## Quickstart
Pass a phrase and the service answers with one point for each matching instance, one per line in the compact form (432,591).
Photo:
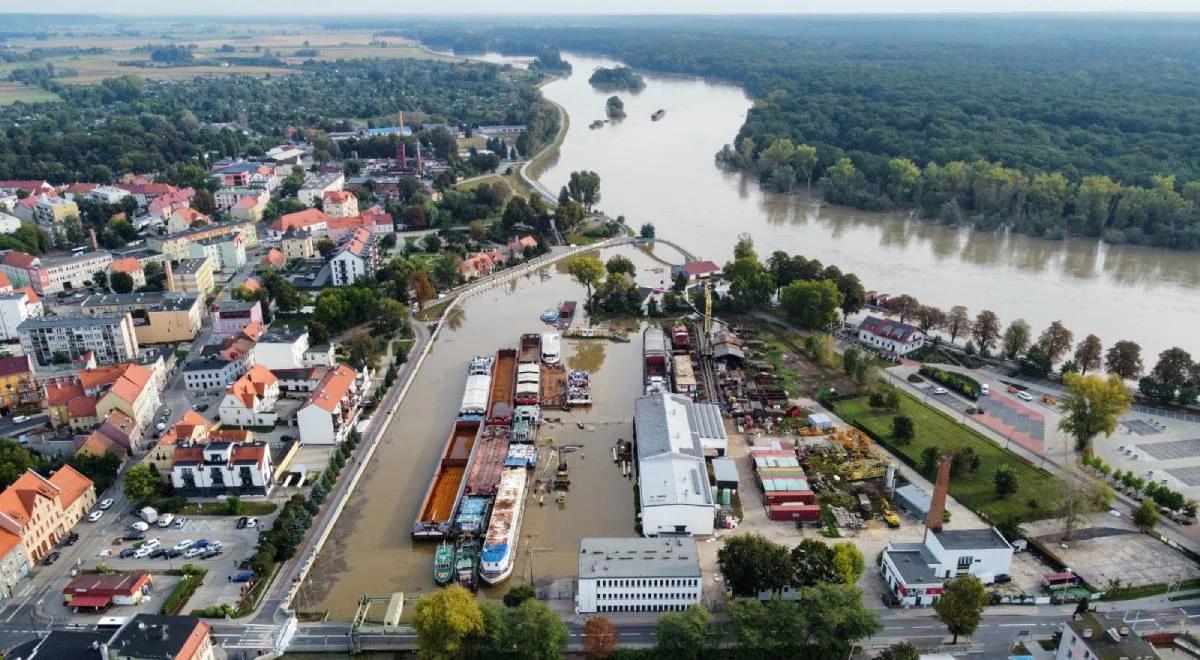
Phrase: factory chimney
(937,504)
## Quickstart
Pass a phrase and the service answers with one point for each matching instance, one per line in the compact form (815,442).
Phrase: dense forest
(1051,126)
(128,124)
(621,77)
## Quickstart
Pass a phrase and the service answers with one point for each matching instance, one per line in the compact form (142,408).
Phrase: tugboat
(466,558)
(550,316)
(658,114)
(443,564)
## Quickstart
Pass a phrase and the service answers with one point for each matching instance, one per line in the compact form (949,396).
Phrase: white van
(983,390)
(166,519)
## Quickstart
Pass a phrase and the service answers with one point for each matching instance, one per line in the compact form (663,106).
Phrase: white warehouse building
(673,486)
(637,575)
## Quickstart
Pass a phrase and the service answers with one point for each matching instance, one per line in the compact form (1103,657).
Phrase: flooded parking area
(371,551)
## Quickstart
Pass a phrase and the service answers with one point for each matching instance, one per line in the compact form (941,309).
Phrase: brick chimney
(170,275)
(95,243)
(937,504)
(400,155)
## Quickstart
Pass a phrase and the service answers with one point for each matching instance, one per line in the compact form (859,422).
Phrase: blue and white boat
(500,545)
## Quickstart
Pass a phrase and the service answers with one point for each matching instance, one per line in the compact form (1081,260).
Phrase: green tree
(647,231)
(587,270)
(390,316)
(985,330)
(1035,363)
(848,562)
(1145,516)
(141,483)
(620,264)
(1056,341)
(233,506)
(751,564)
(826,622)
(1124,359)
(122,282)
(100,279)
(812,564)
(1017,337)
(362,350)
(537,632)
(101,469)
(811,305)
(445,621)
(958,322)
(326,247)
(519,594)
(1089,353)
(930,457)
(961,605)
(1092,405)
(854,296)
(584,187)
(750,284)
(684,635)
(900,651)
(903,429)
(804,161)
(447,270)
(1006,481)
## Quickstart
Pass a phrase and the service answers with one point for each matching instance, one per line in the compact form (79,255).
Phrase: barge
(472,515)
(655,360)
(531,348)
(491,450)
(436,515)
(500,546)
(658,114)
(479,382)
(500,403)
(566,314)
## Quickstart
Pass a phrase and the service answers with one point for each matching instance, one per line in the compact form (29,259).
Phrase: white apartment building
(888,336)
(1095,636)
(15,308)
(332,408)
(315,187)
(222,468)
(251,399)
(112,338)
(357,257)
(108,194)
(9,223)
(637,575)
(212,373)
(282,348)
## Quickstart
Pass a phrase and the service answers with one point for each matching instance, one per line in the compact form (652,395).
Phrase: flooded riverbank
(370,550)
(663,172)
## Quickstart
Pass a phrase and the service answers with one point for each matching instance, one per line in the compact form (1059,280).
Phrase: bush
(183,591)
(964,385)
(914,378)
(216,612)
(903,428)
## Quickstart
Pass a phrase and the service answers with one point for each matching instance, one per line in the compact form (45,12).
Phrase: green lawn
(251,508)
(976,491)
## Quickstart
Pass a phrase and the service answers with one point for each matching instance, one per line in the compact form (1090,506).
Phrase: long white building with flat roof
(671,432)
(637,575)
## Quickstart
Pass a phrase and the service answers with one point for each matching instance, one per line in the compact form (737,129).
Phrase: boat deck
(554,386)
(437,510)
(489,461)
(445,491)
(500,403)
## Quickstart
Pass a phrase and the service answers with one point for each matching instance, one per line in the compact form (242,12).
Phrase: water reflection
(587,355)
(455,317)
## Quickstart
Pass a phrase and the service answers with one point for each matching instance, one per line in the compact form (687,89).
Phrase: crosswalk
(247,636)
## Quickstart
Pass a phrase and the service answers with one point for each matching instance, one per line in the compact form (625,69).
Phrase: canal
(370,551)
(663,172)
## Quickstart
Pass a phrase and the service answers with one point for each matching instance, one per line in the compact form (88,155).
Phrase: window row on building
(650,582)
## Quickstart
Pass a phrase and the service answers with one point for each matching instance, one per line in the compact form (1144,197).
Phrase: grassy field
(13,92)
(977,491)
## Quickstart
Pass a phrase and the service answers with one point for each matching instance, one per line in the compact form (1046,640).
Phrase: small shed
(914,500)
(820,421)
(725,472)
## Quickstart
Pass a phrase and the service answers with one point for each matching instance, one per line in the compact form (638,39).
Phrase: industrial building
(672,479)
(637,575)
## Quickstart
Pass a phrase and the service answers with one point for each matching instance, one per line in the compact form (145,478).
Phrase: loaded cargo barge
(500,403)
(490,453)
(435,518)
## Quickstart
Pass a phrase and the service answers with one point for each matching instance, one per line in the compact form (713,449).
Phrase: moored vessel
(500,544)
(443,564)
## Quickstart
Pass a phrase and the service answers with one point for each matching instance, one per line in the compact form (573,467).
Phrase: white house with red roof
(222,468)
(890,337)
(250,401)
(695,270)
(332,408)
(339,203)
(355,258)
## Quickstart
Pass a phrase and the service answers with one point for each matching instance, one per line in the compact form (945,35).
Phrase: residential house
(51,212)
(156,637)
(273,259)
(229,198)
(312,220)
(481,264)
(185,218)
(178,246)
(111,338)
(227,252)
(15,308)
(98,591)
(637,575)
(378,224)
(54,274)
(671,474)
(339,203)
(319,355)
(232,316)
(890,337)
(158,317)
(356,257)
(14,563)
(163,206)
(191,429)
(131,267)
(222,468)
(146,193)
(332,408)
(517,246)
(19,392)
(9,223)
(134,392)
(243,174)
(30,186)
(249,208)
(42,511)
(316,185)
(1102,636)
(251,399)
(58,398)
(695,270)
(302,380)
(298,244)
(107,194)
(211,373)
(282,348)
(122,430)
(194,276)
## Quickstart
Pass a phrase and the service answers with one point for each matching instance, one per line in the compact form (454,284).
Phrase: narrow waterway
(663,172)
(371,552)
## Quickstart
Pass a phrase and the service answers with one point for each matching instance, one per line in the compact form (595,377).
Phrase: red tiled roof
(60,395)
(252,385)
(18,259)
(70,483)
(190,453)
(11,366)
(333,387)
(337,196)
(5,283)
(246,203)
(31,294)
(80,188)
(242,452)
(97,444)
(299,220)
(81,406)
(126,265)
(133,380)
(274,258)
(700,267)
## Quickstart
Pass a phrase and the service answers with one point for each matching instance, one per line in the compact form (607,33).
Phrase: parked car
(1012,389)
(184,544)
(95,516)
(180,521)
(158,553)
(242,576)
(133,536)
(202,543)
(194,552)
(983,389)
(251,523)
(20,419)
(152,543)
(142,552)
(106,504)
(939,390)
(166,519)
(127,553)
(71,538)
(211,552)
(173,554)
(139,526)
(51,558)
(241,523)
(1003,578)
(201,407)
(1024,396)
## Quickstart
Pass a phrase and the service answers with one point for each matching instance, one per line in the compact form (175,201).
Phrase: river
(663,172)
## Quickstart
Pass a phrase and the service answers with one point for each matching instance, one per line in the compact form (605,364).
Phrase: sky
(460,7)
